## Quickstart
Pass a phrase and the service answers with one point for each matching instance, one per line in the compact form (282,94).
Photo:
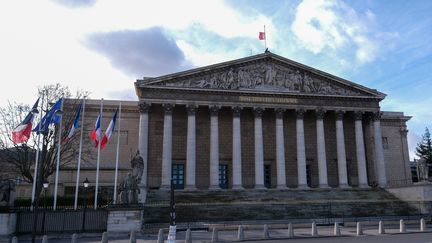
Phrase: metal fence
(62,221)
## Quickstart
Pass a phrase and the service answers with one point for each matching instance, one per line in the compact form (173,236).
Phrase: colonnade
(190,182)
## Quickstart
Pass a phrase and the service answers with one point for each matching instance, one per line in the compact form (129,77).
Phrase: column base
(282,187)
(303,187)
(260,187)
(190,188)
(344,186)
(324,186)
(363,186)
(214,188)
(165,187)
(237,187)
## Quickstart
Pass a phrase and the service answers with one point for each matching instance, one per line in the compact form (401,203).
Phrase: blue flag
(50,118)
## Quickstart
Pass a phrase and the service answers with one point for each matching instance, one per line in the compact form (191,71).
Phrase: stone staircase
(249,205)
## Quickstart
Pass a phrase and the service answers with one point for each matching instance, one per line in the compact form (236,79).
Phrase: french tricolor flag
(22,132)
(109,130)
(97,132)
(74,125)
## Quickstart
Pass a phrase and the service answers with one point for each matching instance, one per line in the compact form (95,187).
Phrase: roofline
(193,71)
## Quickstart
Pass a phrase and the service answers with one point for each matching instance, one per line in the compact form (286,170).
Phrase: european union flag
(50,118)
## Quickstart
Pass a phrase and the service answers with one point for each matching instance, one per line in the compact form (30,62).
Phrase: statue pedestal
(7,223)
(124,219)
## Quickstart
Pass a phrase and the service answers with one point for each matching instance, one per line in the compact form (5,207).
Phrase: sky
(103,46)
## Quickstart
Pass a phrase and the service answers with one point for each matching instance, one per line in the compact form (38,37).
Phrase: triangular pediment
(265,72)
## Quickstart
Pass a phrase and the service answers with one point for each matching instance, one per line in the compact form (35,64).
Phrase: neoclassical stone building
(267,121)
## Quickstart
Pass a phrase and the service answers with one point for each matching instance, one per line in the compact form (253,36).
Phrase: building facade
(266,121)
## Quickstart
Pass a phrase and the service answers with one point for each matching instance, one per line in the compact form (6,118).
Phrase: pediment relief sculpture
(265,76)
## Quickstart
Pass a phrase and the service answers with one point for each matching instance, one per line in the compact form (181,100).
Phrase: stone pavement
(302,234)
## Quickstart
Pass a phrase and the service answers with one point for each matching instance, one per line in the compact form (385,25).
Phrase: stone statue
(422,169)
(137,165)
(128,189)
(7,189)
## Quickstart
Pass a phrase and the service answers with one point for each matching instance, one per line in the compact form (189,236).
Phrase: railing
(62,221)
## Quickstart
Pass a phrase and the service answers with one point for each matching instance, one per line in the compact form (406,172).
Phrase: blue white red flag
(96,134)
(22,132)
(109,130)
(75,125)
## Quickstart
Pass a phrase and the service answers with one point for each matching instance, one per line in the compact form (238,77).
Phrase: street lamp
(86,184)
(45,187)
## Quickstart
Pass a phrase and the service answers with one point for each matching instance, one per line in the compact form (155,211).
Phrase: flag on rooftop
(22,132)
(261,35)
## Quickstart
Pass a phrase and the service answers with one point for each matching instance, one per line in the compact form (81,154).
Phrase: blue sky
(103,46)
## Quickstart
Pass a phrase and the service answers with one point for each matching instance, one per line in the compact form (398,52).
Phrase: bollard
(45,239)
(74,238)
(104,237)
(215,237)
(359,229)
(422,224)
(14,239)
(188,238)
(314,229)
(336,230)
(132,238)
(160,238)
(402,228)
(381,229)
(290,231)
(266,234)
(240,234)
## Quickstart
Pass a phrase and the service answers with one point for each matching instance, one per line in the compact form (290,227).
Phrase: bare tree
(20,158)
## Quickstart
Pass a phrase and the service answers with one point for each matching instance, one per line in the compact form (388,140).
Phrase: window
(385,143)
(267,176)
(223,176)
(178,176)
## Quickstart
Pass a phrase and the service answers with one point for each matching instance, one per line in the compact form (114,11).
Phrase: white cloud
(327,25)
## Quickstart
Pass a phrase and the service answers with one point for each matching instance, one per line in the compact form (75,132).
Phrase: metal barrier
(62,221)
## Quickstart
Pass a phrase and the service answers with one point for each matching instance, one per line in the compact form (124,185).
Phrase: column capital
(279,113)
(320,114)
(143,107)
(191,109)
(300,113)
(404,131)
(236,111)
(339,114)
(358,115)
(258,112)
(168,108)
(214,110)
(376,116)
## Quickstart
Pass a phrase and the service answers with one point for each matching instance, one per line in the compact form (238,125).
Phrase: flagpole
(37,155)
(79,156)
(60,113)
(117,155)
(98,157)
(265,39)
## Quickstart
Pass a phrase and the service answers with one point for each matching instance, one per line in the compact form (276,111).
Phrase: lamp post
(86,184)
(45,187)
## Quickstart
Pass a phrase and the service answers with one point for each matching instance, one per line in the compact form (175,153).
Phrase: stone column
(214,148)
(360,150)
(280,150)
(340,146)
(405,155)
(301,153)
(259,150)
(143,139)
(167,147)
(379,153)
(191,149)
(237,160)
(321,150)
